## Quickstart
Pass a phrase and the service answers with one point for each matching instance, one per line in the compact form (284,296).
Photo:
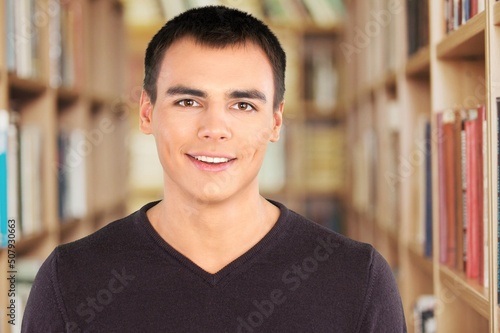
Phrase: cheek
(171,131)
(169,140)
(256,142)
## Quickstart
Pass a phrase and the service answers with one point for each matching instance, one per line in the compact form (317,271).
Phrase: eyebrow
(250,94)
(182,90)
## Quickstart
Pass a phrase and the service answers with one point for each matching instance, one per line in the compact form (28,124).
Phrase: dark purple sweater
(300,277)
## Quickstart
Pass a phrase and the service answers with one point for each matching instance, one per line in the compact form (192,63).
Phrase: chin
(212,199)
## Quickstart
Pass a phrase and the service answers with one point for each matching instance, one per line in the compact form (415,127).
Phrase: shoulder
(304,235)
(332,265)
(102,241)
(335,258)
(115,234)
(108,245)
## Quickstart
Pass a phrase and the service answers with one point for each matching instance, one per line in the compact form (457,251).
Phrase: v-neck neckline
(214,279)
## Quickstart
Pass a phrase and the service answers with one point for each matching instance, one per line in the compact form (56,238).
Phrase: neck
(213,234)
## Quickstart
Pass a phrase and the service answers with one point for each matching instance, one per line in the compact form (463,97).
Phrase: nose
(214,126)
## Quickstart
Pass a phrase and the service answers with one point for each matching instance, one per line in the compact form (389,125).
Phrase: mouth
(212,160)
(211,163)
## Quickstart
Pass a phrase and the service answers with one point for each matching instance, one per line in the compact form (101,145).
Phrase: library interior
(389,136)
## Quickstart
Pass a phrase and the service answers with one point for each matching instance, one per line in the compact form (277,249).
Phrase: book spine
(55,47)
(474,196)
(481,5)
(428,191)
(465,10)
(473,8)
(456,14)
(458,188)
(480,129)
(31,192)
(485,248)
(10,40)
(4,128)
(464,190)
(412,26)
(449,172)
(13,183)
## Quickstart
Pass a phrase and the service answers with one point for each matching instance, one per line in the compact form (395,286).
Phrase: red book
(449,173)
(474,194)
(481,118)
(473,8)
(460,116)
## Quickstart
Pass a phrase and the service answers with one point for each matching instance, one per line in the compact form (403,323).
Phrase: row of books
(71,167)
(324,161)
(20,174)
(321,73)
(463,185)
(324,158)
(21,180)
(25,21)
(418,25)
(66,43)
(458,12)
(23,32)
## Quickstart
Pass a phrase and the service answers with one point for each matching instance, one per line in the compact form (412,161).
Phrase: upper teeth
(212,159)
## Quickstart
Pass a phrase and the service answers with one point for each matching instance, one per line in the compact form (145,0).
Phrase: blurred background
(389,137)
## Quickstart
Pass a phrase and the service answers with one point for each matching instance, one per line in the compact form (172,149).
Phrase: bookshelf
(62,70)
(452,69)
(314,126)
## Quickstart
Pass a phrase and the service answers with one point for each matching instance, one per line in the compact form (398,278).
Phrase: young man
(213,255)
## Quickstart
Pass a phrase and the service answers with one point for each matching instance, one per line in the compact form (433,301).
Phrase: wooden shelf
(27,243)
(390,81)
(69,226)
(496,13)
(67,96)
(418,259)
(467,41)
(468,291)
(304,193)
(419,64)
(22,88)
(313,113)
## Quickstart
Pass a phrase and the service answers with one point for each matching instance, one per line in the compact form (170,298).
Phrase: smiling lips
(211,163)
(208,159)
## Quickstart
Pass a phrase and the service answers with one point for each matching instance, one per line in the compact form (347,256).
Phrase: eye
(242,106)
(188,103)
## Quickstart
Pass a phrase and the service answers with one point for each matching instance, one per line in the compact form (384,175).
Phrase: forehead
(187,55)
(191,62)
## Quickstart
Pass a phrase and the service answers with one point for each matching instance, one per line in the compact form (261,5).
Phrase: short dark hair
(218,27)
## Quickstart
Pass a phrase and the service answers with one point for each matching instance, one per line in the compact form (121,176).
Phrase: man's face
(212,119)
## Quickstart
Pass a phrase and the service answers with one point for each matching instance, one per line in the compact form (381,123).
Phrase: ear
(146,114)
(278,121)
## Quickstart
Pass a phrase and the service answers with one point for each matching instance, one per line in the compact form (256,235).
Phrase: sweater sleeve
(43,311)
(382,311)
